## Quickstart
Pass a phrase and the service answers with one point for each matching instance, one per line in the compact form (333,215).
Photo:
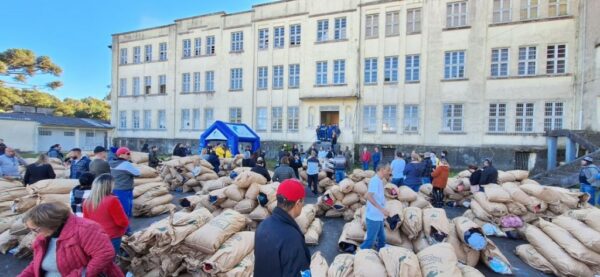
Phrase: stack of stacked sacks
(139,157)
(192,242)
(568,245)
(310,226)
(187,173)
(416,229)
(151,195)
(227,165)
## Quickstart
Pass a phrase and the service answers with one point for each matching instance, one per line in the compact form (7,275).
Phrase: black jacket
(180,152)
(36,173)
(153,160)
(475,176)
(279,247)
(427,167)
(262,171)
(214,161)
(248,163)
(489,175)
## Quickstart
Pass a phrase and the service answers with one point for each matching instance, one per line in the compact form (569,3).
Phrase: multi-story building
(479,78)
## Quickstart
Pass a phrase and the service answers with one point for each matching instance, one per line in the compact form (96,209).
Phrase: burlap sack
(570,244)
(138,157)
(23,250)
(516,208)
(420,243)
(406,243)
(367,264)
(342,266)
(49,198)
(348,214)
(586,235)
(259,213)
(452,195)
(325,182)
(246,206)
(157,210)
(392,237)
(480,212)
(558,208)
(399,262)
(7,241)
(146,203)
(252,191)
(247,178)
(390,191)
(228,204)
(350,199)
(591,217)
(182,224)
(146,171)
(435,220)
(311,237)
(243,269)
(420,203)
(413,222)
(4,184)
(11,194)
(211,185)
(209,177)
(533,258)
(493,253)
(230,253)
(496,193)
(360,188)
(492,208)
(464,225)
(469,271)
(567,197)
(405,194)
(355,231)
(318,265)
(151,192)
(143,188)
(464,254)
(564,263)
(18,227)
(464,174)
(438,260)
(334,213)
(209,237)
(53,186)
(306,217)
(346,185)
(270,191)
(504,177)
(395,208)
(519,175)
(234,192)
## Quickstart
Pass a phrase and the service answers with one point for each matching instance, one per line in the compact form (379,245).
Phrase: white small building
(29,129)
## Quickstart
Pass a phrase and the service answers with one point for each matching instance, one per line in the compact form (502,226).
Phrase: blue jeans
(375,164)
(365,165)
(340,174)
(591,190)
(126,199)
(116,243)
(397,181)
(375,230)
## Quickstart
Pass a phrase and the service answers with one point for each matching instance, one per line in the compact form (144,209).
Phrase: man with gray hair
(9,165)
(588,178)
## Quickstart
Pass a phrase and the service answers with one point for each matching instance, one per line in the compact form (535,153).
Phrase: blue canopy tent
(232,133)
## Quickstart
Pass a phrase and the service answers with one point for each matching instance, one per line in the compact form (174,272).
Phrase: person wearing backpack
(588,178)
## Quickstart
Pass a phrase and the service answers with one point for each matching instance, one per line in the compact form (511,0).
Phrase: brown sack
(234,192)
(306,217)
(208,177)
(183,224)
(566,265)
(141,181)
(350,199)
(252,191)
(586,235)
(247,178)
(519,175)
(314,232)
(7,241)
(355,231)
(230,253)
(246,206)
(143,188)
(492,252)
(413,222)
(146,171)
(399,262)
(360,188)
(208,186)
(406,243)
(344,242)
(342,266)
(533,258)
(61,198)
(139,157)
(392,237)
(420,203)
(390,191)
(243,269)
(516,208)
(346,185)
(492,208)
(11,194)
(53,186)
(469,271)
(435,220)
(420,243)
(496,193)
(426,189)
(570,244)
(405,194)
(318,265)
(395,208)
(259,213)
(463,253)
(439,260)
(209,237)
(367,264)
(591,217)
(504,177)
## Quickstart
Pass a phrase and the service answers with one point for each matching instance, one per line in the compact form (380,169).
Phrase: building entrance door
(330,118)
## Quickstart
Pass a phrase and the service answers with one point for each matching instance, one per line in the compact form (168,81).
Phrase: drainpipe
(581,63)
(358,113)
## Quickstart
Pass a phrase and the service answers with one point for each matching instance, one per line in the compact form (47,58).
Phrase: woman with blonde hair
(413,172)
(40,170)
(105,209)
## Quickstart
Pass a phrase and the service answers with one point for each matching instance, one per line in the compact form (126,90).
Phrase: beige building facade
(442,73)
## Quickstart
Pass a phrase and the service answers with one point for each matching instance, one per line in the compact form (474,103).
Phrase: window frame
(235,114)
(162,84)
(262,82)
(321,73)
(263,38)
(450,119)
(500,13)
(411,70)
(147,85)
(148,53)
(390,118)
(209,117)
(369,119)
(294,75)
(137,55)
(413,21)
(295,34)
(236,79)
(278,77)
(322,30)
(392,28)
(522,116)
(455,14)
(122,86)
(197,87)
(390,73)
(453,70)
(196,119)
(553,63)
(162,51)
(527,9)
(185,119)
(554,118)
(197,47)
(261,119)
(147,119)
(279,37)
(372,25)
(237,42)
(162,119)
(122,119)
(123,56)
(340,26)
(497,117)
(499,63)
(293,119)
(276,119)
(209,81)
(524,66)
(135,86)
(210,45)
(411,118)
(185,82)
(186,48)
(556,4)
(339,72)
(370,71)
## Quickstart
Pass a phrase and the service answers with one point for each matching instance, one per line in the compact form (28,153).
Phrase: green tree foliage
(20,64)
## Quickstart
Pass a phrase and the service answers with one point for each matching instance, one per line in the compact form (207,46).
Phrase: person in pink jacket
(67,245)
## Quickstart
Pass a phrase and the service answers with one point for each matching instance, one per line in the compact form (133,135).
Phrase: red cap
(291,189)
(122,150)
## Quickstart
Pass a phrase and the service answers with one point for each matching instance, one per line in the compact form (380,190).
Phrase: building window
(372,26)
(261,119)
(454,65)
(499,66)
(148,53)
(389,119)
(123,56)
(413,21)
(209,81)
(136,86)
(185,82)
(456,14)
(70,133)
(123,119)
(524,118)
(453,118)
(294,76)
(197,82)
(339,72)
(497,118)
(45,132)
(90,134)
(392,23)
(162,51)
(147,84)
(263,77)
(278,37)
(529,9)
(197,47)
(162,119)
(321,73)
(209,117)
(136,119)
(137,54)
(527,60)
(391,70)
(501,11)
(293,117)
(371,71)
(237,41)
(413,64)
(187,48)
(122,86)
(276,119)
(236,79)
(278,77)
(147,119)
(210,45)
(196,119)
(235,115)
(557,8)
(369,119)
(295,34)
(322,30)
(263,38)
(185,119)
(556,59)
(340,28)
(553,116)
(162,84)
(411,118)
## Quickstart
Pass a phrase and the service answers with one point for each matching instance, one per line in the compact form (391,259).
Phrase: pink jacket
(82,245)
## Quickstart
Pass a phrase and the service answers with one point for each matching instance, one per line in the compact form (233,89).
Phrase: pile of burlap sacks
(57,165)
(394,261)
(567,245)
(151,196)
(188,173)
(416,229)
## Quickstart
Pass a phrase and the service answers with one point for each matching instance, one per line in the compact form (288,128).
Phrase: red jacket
(440,176)
(81,245)
(366,156)
(110,215)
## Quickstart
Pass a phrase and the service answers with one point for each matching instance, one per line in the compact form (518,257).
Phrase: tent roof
(223,130)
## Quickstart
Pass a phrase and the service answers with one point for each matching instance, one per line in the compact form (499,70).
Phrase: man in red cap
(123,171)
(279,248)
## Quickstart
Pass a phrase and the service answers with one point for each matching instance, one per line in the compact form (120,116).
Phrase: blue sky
(76,33)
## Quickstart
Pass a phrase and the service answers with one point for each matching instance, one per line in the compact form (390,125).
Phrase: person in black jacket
(214,160)
(295,164)
(40,170)
(153,160)
(179,150)
(489,175)
(474,178)
(279,248)
(427,169)
(259,168)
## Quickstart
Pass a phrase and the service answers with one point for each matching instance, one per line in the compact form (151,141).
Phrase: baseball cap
(99,149)
(291,189)
(589,159)
(122,150)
